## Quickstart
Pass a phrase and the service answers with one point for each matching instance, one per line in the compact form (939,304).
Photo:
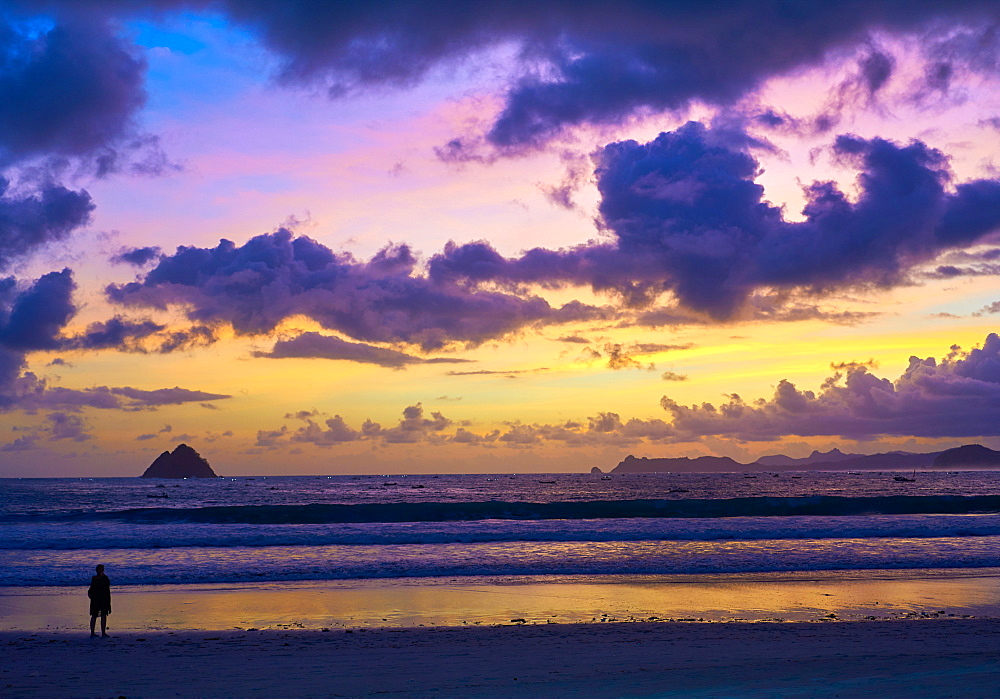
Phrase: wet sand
(916,633)
(939,657)
(858,595)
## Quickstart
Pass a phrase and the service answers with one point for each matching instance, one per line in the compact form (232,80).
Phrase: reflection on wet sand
(459,601)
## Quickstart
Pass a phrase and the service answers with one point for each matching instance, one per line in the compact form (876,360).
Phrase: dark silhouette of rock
(183,462)
(596,471)
(817,457)
(632,464)
(975,455)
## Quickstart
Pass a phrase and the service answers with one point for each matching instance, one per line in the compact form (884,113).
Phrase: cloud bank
(957,397)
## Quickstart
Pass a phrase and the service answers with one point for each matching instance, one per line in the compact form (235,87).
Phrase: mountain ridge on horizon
(968,455)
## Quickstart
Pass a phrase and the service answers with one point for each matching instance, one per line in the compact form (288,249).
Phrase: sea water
(385,528)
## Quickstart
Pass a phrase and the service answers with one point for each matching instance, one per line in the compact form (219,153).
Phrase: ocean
(385,528)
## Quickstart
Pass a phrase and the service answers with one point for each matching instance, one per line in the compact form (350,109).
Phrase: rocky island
(183,462)
(968,456)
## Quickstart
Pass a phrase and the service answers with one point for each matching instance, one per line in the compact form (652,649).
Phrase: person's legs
(93,621)
(104,624)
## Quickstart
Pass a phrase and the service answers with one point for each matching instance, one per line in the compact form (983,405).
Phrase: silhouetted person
(100,601)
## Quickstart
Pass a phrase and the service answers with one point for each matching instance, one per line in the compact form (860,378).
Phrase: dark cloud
(988,309)
(67,426)
(31,318)
(603,429)
(28,392)
(596,62)
(313,345)
(31,220)
(579,62)
(119,333)
(164,396)
(671,376)
(575,339)
(873,72)
(623,356)
(254,287)
(620,357)
(136,256)
(55,427)
(23,443)
(412,428)
(689,218)
(178,340)
(956,397)
(35,317)
(71,89)
(335,432)
(487,372)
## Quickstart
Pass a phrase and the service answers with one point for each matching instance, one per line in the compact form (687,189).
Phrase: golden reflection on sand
(456,601)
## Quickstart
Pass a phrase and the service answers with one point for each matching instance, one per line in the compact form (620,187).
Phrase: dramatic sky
(430,236)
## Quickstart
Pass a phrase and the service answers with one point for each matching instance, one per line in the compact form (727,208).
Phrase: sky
(426,237)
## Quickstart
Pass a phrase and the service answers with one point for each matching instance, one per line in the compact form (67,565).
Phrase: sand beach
(462,638)
(955,657)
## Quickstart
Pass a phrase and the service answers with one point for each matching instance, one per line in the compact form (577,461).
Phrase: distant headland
(968,456)
(183,462)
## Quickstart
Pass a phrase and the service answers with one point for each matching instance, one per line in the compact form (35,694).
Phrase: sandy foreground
(923,657)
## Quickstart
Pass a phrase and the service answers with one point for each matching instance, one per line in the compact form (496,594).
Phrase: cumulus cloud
(29,220)
(72,88)
(689,219)
(414,427)
(117,332)
(138,257)
(312,345)
(32,318)
(254,287)
(66,426)
(55,427)
(956,397)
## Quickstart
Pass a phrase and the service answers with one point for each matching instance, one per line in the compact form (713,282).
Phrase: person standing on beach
(100,601)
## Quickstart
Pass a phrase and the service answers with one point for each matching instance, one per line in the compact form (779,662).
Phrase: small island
(183,462)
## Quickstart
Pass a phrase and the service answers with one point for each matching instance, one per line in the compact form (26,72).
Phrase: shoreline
(954,657)
(537,600)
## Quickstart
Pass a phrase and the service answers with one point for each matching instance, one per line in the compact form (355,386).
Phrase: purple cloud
(31,221)
(689,218)
(271,277)
(119,333)
(313,345)
(30,393)
(34,318)
(412,428)
(71,90)
(67,426)
(589,63)
(138,257)
(603,62)
(958,397)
